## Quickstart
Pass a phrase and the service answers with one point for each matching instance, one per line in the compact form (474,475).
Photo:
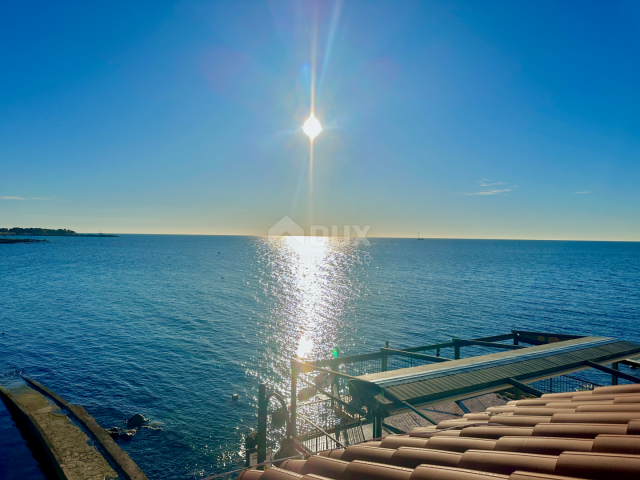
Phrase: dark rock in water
(114,432)
(136,421)
(127,434)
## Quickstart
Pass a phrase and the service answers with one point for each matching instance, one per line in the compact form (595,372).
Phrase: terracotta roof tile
(618,407)
(367,453)
(545,411)
(460,444)
(578,430)
(495,431)
(358,470)
(435,433)
(576,435)
(506,463)
(520,475)
(412,457)
(276,473)
(394,441)
(520,420)
(598,397)
(293,465)
(459,422)
(627,399)
(629,444)
(432,472)
(600,417)
(554,396)
(633,427)
(635,388)
(327,467)
(336,453)
(599,466)
(311,476)
(503,408)
(533,402)
(543,445)
(576,404)
(476,416)
(250,475)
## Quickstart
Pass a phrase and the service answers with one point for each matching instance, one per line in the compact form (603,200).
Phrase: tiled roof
(581,435)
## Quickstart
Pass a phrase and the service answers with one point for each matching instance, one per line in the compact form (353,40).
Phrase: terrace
(338,402)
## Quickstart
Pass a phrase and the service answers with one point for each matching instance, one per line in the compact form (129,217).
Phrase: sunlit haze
(473,119)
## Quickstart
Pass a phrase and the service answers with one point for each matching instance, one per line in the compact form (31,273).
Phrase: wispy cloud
(490,192)
(9,197)
(489,183)
(484,183)
(582,193)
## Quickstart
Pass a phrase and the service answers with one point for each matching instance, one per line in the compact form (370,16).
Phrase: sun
(312,127)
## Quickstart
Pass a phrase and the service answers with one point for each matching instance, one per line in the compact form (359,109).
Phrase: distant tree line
(37,231)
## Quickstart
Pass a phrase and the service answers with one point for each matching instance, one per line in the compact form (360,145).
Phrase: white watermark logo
(286,226)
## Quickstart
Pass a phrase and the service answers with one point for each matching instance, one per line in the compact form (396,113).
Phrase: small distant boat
(419,236)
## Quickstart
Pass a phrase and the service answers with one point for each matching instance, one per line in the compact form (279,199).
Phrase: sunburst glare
(312,127)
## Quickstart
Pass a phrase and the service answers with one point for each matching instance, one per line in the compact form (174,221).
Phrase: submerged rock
(114,432)
(127,434)
(136,421)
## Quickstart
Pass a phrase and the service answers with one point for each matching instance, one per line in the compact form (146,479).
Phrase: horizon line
(368,236)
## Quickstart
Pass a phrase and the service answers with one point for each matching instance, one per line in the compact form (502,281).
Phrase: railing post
(515,339)
(294,394)
(385,356)
(335,384)
(262,423)
(614,378)
(456,350)
(377,425)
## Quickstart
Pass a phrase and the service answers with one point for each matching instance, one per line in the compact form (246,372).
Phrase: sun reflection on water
(310,287)
(305,346)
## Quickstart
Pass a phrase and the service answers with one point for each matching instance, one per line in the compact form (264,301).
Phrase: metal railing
(323,417)
(564,383)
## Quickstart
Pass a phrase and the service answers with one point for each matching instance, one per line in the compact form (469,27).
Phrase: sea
(172,326)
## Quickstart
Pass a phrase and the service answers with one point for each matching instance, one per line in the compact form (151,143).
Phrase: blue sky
(454,119)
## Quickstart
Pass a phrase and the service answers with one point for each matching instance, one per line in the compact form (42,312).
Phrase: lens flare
(312,127)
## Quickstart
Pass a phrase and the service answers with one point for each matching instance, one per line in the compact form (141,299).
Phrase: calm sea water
(171,326)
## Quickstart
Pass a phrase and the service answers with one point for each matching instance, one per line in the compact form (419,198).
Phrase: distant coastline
(50,232)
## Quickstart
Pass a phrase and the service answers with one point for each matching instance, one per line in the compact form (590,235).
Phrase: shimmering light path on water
(171,326)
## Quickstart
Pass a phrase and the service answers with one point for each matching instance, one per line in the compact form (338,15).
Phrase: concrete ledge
(128,467)
(34,431)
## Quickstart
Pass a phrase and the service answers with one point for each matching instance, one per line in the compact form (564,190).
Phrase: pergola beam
(611,371)
(419,356)
(631,362)
(524,387)
(480,343)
